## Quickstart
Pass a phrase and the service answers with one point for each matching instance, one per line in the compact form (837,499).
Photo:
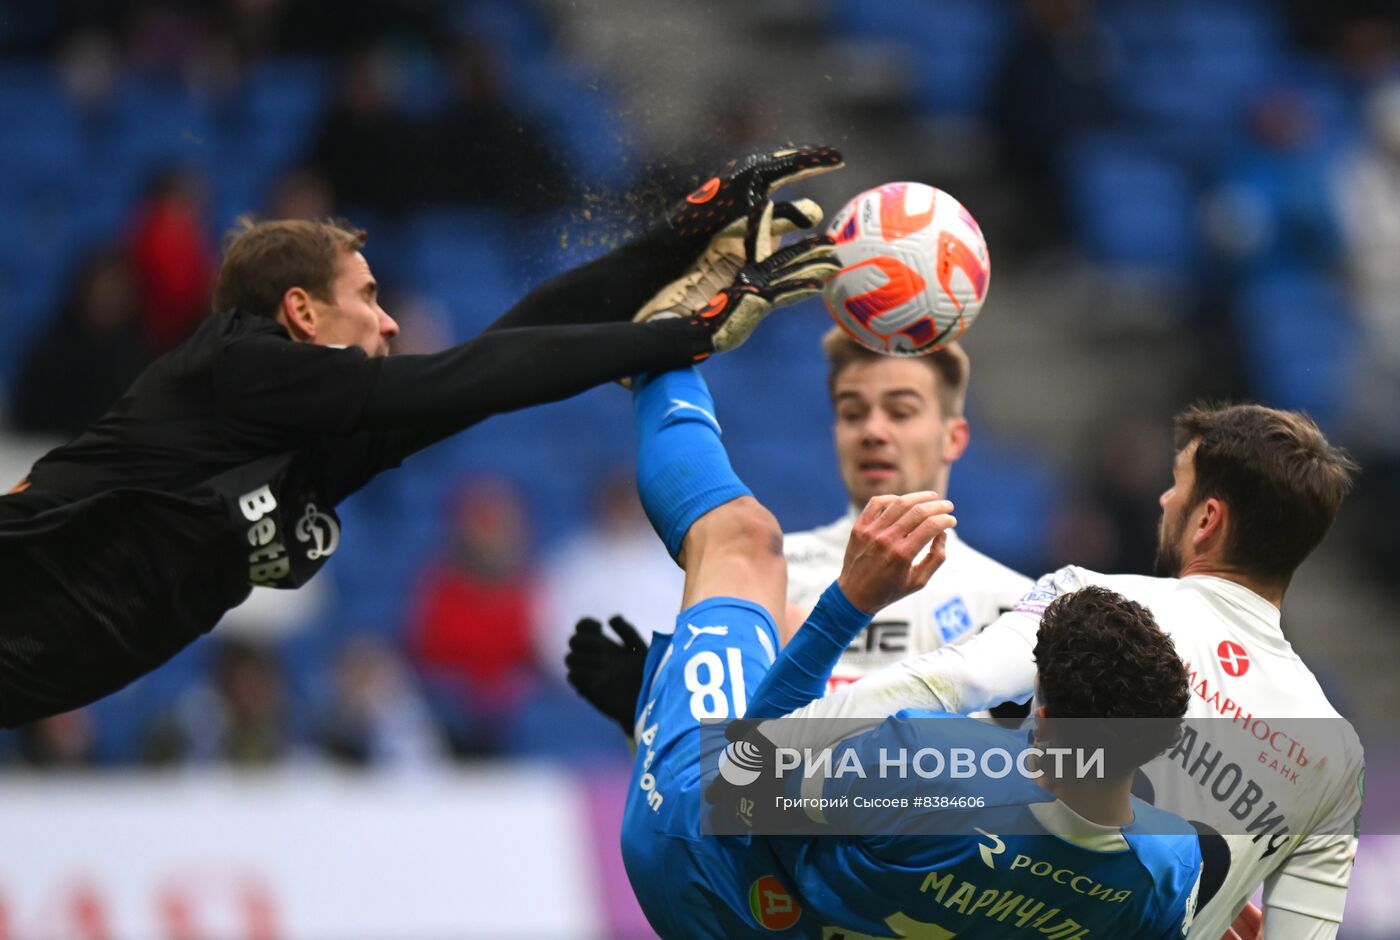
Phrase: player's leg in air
(725,639)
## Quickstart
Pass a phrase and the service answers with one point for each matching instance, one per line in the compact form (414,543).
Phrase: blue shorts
(690,884)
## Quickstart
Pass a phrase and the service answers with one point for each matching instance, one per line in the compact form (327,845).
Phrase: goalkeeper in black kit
(220,468)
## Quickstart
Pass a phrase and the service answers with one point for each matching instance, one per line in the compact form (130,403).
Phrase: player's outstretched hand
(742,188)
(890,534)
(607,674)
(784,277)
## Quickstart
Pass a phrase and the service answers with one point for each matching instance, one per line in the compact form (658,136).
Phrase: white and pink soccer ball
(914,269)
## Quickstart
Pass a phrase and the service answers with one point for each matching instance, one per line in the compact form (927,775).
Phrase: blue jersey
(1015,862)
(1034,869)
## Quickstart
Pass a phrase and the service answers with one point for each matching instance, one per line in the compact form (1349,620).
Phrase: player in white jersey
(1265,760)
(899,428)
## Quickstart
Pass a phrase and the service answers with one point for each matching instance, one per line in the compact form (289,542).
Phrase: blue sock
(682,469)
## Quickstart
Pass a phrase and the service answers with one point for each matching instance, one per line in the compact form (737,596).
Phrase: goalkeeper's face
(891,435)
(352,316)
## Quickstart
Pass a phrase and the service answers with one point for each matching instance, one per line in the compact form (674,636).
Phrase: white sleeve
(1308,892)
(1306,895)
(987,669)
(1286,925)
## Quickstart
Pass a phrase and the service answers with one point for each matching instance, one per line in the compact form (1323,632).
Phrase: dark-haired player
(721,662)
(221,466)
(1265,759)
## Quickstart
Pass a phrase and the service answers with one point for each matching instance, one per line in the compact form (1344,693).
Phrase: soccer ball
(914,269)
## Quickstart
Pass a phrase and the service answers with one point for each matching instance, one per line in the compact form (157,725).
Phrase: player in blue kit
(1055,856)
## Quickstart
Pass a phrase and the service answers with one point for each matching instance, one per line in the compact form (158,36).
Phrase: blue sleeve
(1177,915)
(800,673)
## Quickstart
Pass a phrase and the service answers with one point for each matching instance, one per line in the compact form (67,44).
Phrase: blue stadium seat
(956,47)
(959,54)
(123,720)
(1005,500)
(1298,337)
(1190,68)
(582,116)
(158,124)
(548,245)
(462,259)
(1132,208)
(288,89)
(279,107)
(515,28)
(554,723)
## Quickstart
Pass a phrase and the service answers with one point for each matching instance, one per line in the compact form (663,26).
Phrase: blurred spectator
(175,41)
(376,715)
(172,258)
(1083,533)
(301,194)
(1057,82)
(364,148)
(470,630)
(90,67)
(63,742)
(308,26)
(425,325)
(1368,194)
(1361,36)
(96,335)
(615,566)
(1272,208)
(1130,472)
(481,153)
(238,717)
(254,27)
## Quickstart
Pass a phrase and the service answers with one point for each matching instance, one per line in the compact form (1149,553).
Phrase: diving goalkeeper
(220,468)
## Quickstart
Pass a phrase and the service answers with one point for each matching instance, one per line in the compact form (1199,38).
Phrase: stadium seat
(1005,502)
(514,28)
(956,46)
(1299,341)
(1190,68)
(1133,209)
(278,107)
(555,724)
(158,124)
(582,116)
(462,259)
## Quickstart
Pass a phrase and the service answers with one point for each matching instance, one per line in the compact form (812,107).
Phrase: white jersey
(965,594)
(1264,758)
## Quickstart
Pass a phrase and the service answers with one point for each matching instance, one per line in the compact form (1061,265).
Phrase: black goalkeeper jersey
(221,467)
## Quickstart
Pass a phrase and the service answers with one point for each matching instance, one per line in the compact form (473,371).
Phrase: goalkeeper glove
(728,210)
(608,675)
(761,286)
(742,189)
(717,267)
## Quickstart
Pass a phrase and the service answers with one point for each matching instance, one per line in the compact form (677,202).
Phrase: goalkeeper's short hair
(263,260)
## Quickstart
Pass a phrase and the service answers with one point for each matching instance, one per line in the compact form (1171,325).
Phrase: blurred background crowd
(1183,199)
